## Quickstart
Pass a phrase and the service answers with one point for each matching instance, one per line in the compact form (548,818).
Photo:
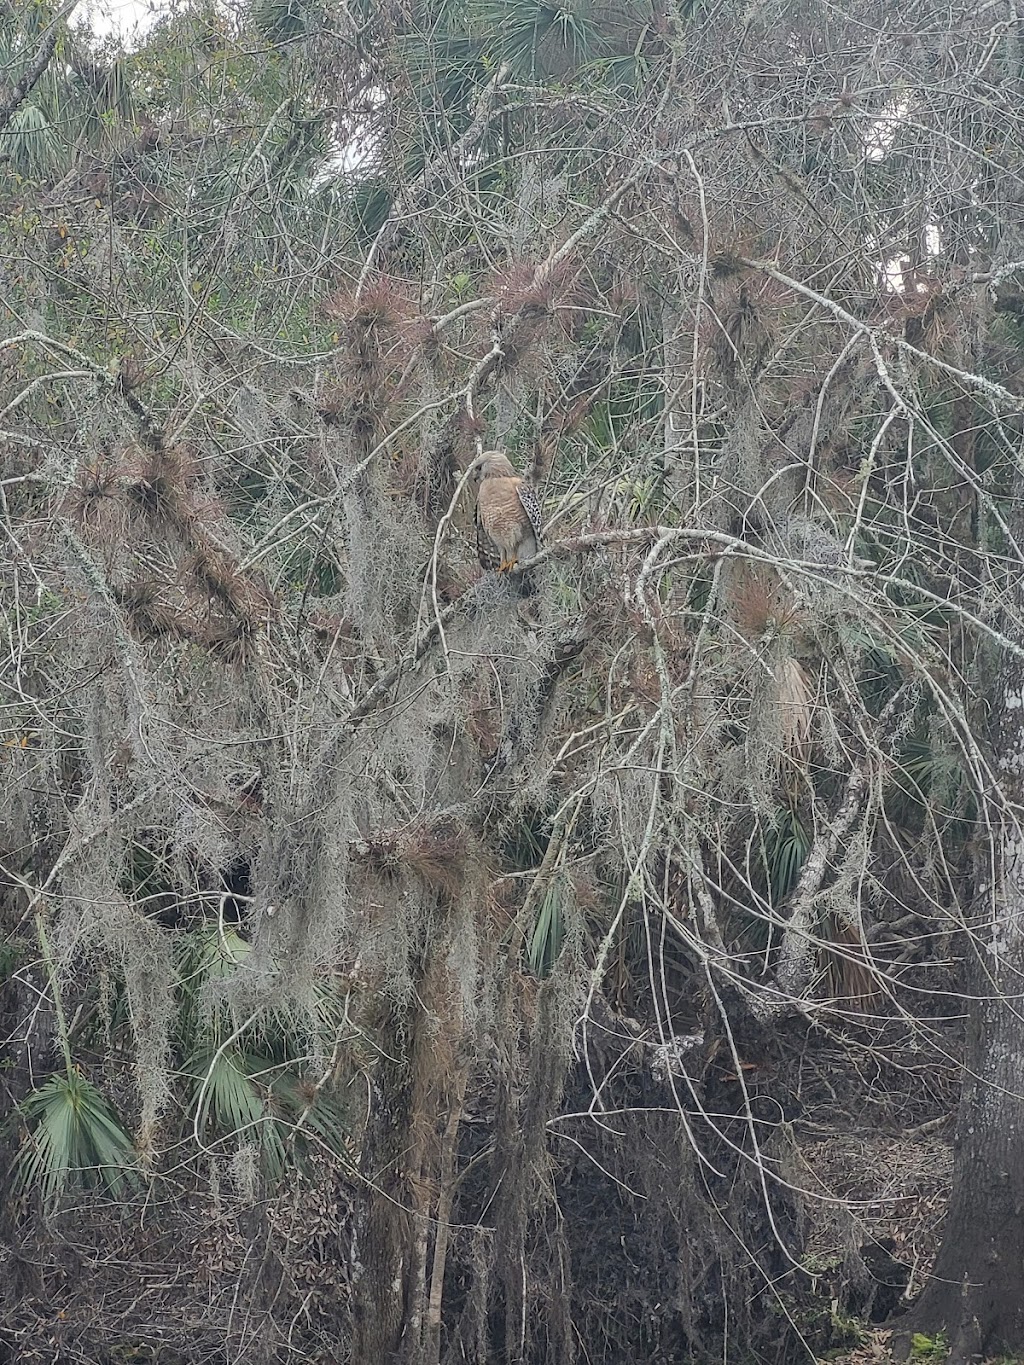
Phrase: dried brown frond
(852,982)
(796,712)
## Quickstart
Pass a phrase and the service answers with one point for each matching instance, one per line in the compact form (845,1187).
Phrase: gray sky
(120,17)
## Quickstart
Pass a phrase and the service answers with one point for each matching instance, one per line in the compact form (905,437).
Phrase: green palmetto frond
(28,146)
(213,957)
(245,1081)
(786,847)
(929,775)
(240,1097)
(538,38)
(282,21)
(74,1138)
(548,931)
(228,1104)
(923,771)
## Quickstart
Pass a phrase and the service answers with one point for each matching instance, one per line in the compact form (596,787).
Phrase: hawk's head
(495,465)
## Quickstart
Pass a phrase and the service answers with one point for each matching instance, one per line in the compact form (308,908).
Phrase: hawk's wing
(487,549)
(532,508)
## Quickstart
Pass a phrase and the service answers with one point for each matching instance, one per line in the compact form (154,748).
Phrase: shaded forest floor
(872,1134)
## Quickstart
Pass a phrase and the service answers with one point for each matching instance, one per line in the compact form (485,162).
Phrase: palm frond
(786,847)
(74,1137)
(244,1097)
(282,21)
(539,38)
(229,1105)
(29,145)
(548,931)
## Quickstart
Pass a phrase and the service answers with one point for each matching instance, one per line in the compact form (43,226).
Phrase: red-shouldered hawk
(508,515)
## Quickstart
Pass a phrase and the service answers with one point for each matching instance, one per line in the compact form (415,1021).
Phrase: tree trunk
(977,1291)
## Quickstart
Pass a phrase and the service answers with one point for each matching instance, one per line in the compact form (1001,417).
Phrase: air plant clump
(530,290)
(131,373)
(372,318)
(220,575)
(381,853)
(148,611)
(739,333)
(435,851)
(759,602)
(98,484)
(374,349)
(160,482)
(231,640)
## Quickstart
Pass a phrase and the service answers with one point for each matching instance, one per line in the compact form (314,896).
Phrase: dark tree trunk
(977,1291)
